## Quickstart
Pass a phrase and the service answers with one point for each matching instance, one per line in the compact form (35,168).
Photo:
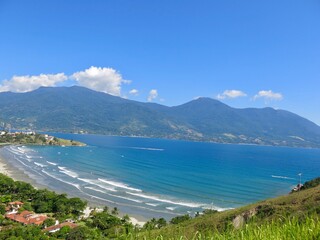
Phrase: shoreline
(19,175)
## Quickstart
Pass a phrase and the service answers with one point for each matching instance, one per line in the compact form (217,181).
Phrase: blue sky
(245,53)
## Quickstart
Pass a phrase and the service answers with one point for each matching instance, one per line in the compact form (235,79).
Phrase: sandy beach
(4,169)
(15,173)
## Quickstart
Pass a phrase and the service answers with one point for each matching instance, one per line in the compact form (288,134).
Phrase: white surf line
(52,163)
(119,185)
(95,189)
(149,149)
(93,182)
(69,183)
(185,204)
(112,195)
(39,164)
(27,166)
(282,177)
(68,172)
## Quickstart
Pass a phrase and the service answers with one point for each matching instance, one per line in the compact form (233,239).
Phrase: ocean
(148,177)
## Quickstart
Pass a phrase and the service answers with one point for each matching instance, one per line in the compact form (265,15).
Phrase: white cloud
(134,92)
(268,95)
(28,83)
(231,94)
(106,80)
(153,94)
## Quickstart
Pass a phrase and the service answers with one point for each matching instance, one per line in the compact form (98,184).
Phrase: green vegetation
(310,184)
(80,110)
(294,216)
(283,229)
(40,201)
(290,213)
(35,139)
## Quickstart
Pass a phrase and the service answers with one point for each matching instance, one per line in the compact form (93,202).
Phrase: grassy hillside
(294,216)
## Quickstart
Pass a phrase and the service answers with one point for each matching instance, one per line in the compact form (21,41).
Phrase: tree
(2,209)
(115,211)
(125,218)
(62,233)
(6,198)
(180,219)
(104,221)
(82,233)
(77,206)
(26,206)
(79,233)
(150,225)
(49,222)
(105,209)
(161,223)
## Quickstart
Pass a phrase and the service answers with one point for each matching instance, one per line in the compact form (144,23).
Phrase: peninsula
(33,138)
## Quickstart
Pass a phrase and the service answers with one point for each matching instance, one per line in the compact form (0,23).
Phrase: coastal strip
(17,174)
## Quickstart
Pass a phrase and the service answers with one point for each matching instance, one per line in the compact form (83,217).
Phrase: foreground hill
(77,109)
(294,216)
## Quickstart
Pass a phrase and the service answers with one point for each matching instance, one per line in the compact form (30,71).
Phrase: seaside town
(28,217)
(33,138)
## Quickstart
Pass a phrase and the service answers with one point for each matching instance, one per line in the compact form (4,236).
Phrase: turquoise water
(155,177)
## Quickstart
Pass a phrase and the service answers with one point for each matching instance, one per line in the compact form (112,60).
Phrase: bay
(165,178)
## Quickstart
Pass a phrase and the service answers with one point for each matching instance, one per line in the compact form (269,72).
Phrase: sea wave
(153,204)
(20,149)
(119,185)
(126,198)
(96,183)
(68,172)
(15,151)
(282,177)
(95,189)
(52,163)
(61,180)
(149,149)
(39,164)
(171,208)
(21,162)
(186,204)
(103,199)
(112,195)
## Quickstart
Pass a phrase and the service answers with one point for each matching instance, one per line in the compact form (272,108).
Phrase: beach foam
(282,177)
(68,172)
(126,198)
(153,204)
(119,185)
(39,164)
(96,183)
(148,149)
(52,163)
(61,180)
(171,208)
(95,189)
(186,204)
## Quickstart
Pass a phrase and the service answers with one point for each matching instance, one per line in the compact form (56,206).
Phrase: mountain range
(81,110)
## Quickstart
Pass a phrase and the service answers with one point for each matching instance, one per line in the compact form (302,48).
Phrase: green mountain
(77,109)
